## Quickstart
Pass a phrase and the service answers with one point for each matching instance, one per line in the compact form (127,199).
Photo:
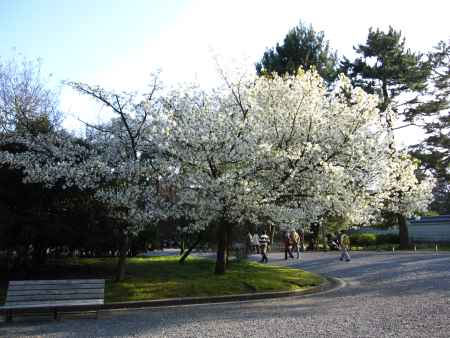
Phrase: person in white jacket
(263,244)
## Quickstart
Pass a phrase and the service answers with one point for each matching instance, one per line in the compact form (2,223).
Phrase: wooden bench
(53,295)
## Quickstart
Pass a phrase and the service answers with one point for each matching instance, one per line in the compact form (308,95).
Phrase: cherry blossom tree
(116,162)
(284,149)
(25,98)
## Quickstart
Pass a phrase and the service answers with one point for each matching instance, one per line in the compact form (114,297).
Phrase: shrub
(363,239)
(367,239)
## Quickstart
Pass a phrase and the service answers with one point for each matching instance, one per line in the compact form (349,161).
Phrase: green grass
(163,277)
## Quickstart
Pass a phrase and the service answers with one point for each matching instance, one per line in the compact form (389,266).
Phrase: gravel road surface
(385,295)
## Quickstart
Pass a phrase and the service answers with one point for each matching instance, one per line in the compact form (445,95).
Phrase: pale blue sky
(118,43)
(74,37)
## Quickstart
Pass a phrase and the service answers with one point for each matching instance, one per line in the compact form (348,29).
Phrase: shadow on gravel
(152,322)
(383,276)
(394,275)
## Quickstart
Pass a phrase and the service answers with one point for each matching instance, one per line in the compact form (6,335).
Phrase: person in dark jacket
(287,245)
(263,244)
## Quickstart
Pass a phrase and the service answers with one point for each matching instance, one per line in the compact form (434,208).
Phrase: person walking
(344,243)
(295,239)
(287,245)
(263,244)
(301,234)
(249,246)
(255,243)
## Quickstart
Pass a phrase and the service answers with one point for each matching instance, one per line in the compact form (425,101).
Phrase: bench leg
(96,314)
(55,315)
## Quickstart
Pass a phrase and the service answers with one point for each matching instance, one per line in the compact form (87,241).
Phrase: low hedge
(363,239)
(368,238)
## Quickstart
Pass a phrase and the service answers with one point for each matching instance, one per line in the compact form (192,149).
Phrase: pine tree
(302,47)
(398,76)
(387,68)
(434,151)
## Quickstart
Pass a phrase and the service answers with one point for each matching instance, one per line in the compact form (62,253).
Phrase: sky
(118,43)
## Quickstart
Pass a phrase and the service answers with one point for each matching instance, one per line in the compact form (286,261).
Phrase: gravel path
(401,295)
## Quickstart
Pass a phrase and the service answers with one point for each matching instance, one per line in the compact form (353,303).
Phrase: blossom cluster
(283,150)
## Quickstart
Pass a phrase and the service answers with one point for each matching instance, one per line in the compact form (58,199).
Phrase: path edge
(330,284)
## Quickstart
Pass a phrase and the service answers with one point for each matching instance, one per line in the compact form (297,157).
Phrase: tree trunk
(385,102)
(229,242)
(403,232)
(315,236)
(324,237)
(187,252)
(182,247)
(271,236)
(221,249)
(39,256)
(120,274)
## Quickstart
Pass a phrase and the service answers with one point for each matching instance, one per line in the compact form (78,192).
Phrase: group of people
(293,242)
(259,244)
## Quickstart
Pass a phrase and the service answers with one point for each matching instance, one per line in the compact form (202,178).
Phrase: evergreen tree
(399,77)
(387,68)
(434,151)
(302,47)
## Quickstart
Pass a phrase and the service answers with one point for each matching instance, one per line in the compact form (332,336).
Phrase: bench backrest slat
(56,281)
(48,291)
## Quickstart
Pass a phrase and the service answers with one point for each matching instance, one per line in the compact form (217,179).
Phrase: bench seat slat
(53,304)
(55,301)
(54,292)
(56,281)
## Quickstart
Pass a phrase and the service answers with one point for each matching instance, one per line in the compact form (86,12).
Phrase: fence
(434,229)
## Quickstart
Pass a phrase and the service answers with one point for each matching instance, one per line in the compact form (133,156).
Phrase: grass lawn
(163,277)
